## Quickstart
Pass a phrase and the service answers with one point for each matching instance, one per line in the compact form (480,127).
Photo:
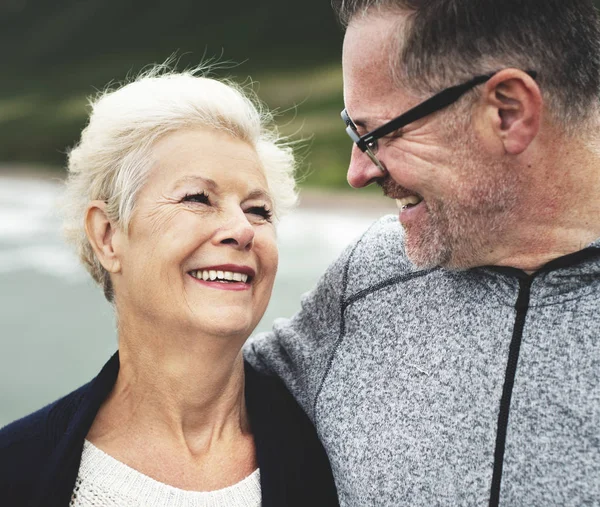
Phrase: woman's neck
(176,395)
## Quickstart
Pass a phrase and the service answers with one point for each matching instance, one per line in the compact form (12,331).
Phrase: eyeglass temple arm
(435,103)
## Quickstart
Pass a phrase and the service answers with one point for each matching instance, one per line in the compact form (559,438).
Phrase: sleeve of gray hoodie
(299,349)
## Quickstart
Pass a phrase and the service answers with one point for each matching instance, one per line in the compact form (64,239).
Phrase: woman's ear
(102,235)
(510,110)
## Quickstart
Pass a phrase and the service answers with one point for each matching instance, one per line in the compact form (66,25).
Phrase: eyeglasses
(368,143)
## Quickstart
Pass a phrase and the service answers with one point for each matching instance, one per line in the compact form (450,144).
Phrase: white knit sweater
(104,481)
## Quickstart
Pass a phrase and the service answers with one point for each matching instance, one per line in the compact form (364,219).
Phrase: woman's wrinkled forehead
(207,159)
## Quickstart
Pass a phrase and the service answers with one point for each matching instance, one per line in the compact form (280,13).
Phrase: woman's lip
(233,286)
(234,268)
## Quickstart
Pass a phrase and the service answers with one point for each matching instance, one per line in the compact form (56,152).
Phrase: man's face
(455,199)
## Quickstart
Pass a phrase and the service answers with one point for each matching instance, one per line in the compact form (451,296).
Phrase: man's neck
(560,212)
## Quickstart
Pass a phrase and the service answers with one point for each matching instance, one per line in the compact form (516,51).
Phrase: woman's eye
(261,211)
(201,198)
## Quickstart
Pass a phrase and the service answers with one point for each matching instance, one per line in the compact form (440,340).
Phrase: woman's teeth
(210,274)
(408,202)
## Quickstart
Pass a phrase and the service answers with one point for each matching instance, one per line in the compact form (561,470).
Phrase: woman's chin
(230,325)
(225,316)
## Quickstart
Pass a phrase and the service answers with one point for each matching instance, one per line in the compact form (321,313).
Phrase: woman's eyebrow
(213,185)
(259,194)
(185,180)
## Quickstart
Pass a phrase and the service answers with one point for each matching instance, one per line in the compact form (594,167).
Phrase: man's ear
(510,110)
(102,235)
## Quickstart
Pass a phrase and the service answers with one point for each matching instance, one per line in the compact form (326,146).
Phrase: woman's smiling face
(200,254)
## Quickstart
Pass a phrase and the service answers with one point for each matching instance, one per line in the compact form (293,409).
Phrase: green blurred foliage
(56,54)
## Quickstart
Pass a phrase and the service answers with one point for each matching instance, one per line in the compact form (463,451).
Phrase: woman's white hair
(112,160)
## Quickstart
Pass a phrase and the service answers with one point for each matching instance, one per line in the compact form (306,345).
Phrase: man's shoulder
(386,234)
(378,256)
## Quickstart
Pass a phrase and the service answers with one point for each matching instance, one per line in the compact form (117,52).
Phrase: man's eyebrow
(357,123)
(360,123)
(366,125)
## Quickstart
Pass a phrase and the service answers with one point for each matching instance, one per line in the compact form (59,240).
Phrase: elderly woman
(173,194)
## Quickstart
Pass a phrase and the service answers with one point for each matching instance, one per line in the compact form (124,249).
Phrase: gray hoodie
(437,387)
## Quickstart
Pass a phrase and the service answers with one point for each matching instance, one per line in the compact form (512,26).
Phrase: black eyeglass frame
(368,142)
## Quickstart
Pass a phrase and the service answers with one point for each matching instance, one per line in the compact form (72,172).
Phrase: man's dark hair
(445,42)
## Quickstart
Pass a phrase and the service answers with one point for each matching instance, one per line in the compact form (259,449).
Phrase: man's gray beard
(464,231)
(460,236)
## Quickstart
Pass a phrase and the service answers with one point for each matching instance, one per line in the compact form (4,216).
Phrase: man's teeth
(211,274)
(406,202)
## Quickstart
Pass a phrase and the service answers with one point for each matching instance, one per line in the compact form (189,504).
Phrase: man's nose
(362,171)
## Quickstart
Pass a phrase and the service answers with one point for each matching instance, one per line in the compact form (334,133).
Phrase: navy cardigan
(40,454)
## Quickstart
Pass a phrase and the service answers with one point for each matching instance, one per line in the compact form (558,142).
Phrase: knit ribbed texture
(404,372)
(104,481)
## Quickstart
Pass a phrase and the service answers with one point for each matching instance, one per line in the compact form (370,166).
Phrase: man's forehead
(370,45)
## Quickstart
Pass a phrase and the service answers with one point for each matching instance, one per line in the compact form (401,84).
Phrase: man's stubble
(464,227)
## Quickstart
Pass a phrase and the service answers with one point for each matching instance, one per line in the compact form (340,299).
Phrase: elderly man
(452,357)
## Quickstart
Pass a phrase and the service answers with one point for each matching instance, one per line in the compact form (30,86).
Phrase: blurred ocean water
(56,330)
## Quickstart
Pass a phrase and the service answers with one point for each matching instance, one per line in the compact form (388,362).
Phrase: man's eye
(261,211)
(396,134)
(201,198)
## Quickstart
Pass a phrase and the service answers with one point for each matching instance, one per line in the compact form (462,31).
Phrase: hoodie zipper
(522,305)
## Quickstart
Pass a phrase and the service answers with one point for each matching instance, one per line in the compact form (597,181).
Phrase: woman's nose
(236,231)
(362,171)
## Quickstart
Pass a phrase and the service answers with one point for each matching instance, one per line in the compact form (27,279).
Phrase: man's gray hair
(112,160)
(445,42)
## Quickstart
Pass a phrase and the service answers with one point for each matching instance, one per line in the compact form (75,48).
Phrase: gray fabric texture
(402,372)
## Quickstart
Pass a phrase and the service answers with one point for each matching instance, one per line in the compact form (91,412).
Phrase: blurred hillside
(55,54)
